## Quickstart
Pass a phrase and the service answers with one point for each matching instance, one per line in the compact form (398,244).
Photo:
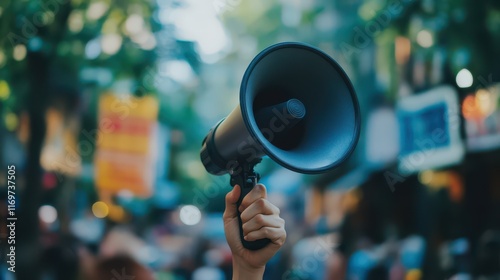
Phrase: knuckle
(274,210)
(281,240)
(244,204)
(261,202)
(260,187)
(259,218)
(244,219)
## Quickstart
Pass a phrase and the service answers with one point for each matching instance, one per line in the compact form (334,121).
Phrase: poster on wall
(429,125)
(125,156)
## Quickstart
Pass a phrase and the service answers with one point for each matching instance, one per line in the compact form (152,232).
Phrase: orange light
(414,274)
(402,50)
(478,106)
(100,209)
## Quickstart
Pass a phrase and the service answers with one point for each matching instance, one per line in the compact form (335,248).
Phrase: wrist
(243,271)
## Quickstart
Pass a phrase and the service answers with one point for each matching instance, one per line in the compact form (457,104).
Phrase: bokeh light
(480,105)
(402,49)
(425,177)
(424,38)
(111,43)
(178,70)
(76,21)
(190,215)
(134,24)
(100,209)
(4,90)
(11,121)
(19,52)
(93,49)
(464,78)
(47,214)
(2,59)
(96,10)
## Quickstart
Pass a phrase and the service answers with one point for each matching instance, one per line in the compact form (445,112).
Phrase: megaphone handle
(246,185)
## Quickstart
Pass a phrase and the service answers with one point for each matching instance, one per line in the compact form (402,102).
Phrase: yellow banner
(125,156)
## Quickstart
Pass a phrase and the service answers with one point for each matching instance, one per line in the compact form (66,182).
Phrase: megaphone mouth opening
(280,119)
(327,132)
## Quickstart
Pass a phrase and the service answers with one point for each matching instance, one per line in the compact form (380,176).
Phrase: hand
(260,220)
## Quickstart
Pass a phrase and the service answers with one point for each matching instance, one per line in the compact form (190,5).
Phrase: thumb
(231,199)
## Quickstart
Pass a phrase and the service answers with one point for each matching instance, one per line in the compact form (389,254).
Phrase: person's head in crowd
(61,261)
(120,267)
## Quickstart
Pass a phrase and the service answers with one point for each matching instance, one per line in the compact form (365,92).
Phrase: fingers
(231,199)
(258,191)
(260,218)
(260,206)
(276,235)
(260,221)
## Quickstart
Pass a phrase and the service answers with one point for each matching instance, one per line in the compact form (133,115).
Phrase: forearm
(243,272)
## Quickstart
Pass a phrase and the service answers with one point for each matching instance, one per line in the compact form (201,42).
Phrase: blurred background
(104,104)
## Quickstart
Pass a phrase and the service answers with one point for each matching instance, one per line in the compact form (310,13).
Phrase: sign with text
(125,156)
(429,130)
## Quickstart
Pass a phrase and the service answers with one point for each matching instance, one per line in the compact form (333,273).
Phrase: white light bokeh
(148,254)
(19,52)
(111,43)
(125,194)
(425,39)
(178,70)
(134,24)
(76,21)
(150,42)
(145,39)
(291,15)
(464,78)
(211,45)
(47,214)
(96,10)
(190,215)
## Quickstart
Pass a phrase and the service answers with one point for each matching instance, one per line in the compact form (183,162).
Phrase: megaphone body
(297,106)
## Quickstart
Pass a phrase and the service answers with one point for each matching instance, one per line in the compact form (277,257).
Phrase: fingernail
(246,237)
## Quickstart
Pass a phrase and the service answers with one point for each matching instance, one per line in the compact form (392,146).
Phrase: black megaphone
(297,106)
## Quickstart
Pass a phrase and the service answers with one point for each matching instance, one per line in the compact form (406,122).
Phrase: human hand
(260,220)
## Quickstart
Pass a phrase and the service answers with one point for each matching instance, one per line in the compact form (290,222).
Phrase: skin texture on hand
(260,220)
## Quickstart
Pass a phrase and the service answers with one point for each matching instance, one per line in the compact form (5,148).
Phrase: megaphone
(297,106)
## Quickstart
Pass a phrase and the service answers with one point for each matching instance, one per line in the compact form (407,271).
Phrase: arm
(260,220)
